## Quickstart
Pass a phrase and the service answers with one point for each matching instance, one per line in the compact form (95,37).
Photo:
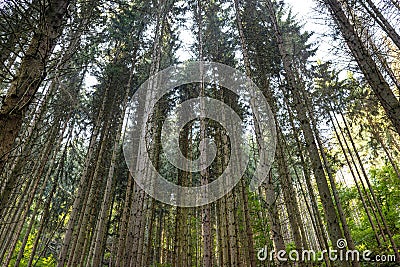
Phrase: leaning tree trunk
(30,75)
(378,137)
(322,184)
(382,21)
(316,213)
(377,203)
(355,179)
(367,65)
(289,194)
(83,184)
(102,220)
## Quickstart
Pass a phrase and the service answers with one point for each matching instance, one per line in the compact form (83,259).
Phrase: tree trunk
(381,20)
(274,222)
(355,182)
(378,206)
(367,65)
(84,183)
(323,188)
(30,75)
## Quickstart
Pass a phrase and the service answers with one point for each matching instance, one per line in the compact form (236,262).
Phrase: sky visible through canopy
(305,14)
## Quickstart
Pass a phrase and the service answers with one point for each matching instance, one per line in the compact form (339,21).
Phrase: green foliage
(386,186)
(44,261)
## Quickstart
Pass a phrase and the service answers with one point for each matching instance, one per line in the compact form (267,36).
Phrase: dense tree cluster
(69,69)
